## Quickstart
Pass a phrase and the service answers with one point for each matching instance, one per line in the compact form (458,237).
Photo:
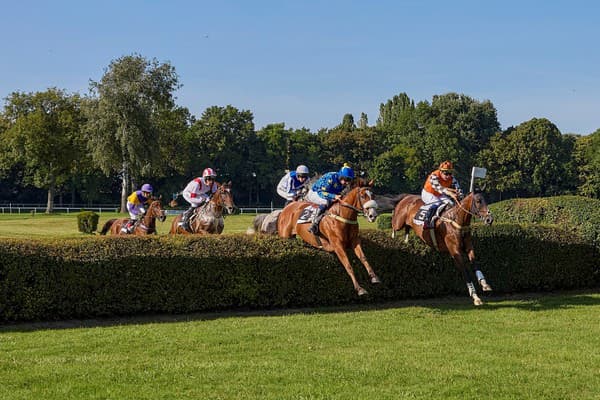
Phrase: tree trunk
(124,187)
(50,202)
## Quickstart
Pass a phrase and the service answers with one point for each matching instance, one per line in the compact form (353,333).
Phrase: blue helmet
(346,172)
(147,188)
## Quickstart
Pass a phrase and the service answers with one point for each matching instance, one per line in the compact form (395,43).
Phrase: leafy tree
(124,129)
(531,159)
(472,122)
(42,136)
(363,122)
(587,159)
(225,140)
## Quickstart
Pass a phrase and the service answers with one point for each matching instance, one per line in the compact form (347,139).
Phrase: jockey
(136,203)
(326,190)
(293,183)
(198,192)
(441,186)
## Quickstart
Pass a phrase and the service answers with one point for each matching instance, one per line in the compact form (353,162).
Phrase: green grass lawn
(536,347)
(65,225)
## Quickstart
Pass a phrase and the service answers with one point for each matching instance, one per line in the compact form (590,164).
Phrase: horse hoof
(477,302)
(375,279)
(486,288)
(361,292)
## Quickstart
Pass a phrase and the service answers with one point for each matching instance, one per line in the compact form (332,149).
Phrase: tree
(587,159)
(43,138)
(124,130)
(531,159)
(225,140)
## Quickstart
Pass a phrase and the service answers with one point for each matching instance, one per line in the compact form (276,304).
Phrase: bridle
(364,207)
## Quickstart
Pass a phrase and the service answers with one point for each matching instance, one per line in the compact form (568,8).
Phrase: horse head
(361,198)
(156,211)
(224,198)
(479,208)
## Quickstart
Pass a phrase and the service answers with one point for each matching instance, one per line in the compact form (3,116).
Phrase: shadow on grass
(523,301)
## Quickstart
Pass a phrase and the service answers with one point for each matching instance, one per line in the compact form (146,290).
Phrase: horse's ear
(371,182)
(229,183)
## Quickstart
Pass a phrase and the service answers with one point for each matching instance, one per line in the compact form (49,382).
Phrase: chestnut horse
(208,218)
(146,226)
(338,229)
(452,233)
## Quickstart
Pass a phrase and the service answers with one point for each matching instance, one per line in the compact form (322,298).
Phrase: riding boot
(185,218)
(314,227)
(437,215)
(128,227)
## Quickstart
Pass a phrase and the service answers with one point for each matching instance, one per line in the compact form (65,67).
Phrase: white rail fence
(11,208)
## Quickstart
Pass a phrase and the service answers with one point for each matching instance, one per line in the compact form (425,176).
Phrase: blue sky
(307,63)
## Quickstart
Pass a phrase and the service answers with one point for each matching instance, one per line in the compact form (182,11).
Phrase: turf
(537,347)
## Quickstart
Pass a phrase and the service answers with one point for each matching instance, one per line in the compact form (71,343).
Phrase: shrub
(384,221)
(87,221)
(101,276)
(580,215)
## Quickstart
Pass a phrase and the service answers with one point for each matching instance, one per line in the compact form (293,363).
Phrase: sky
(307,63)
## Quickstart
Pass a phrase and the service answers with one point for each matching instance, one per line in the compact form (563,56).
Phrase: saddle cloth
(425,213)
(307,213)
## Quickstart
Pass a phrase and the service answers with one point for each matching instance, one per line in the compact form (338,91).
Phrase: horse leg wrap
(471,288)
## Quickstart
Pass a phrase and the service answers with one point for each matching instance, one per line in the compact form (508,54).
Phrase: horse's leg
(478,274)
(406,231)
(343,257)
(460,265)
(363,259)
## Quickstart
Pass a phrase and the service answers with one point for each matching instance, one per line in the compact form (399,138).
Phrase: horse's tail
(107,226)
(387,202)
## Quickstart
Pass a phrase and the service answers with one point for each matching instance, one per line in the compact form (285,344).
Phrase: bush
(580,215)
(384,221)
(87,221)
(101,276)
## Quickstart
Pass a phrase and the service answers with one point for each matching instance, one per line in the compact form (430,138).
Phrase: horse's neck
(149,221)
(463,216)
(216,209)
(348,212)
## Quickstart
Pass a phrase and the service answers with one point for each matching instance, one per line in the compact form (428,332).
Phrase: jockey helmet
(446,166)
(209,172)
(346,172)
(302,171)
(147,188)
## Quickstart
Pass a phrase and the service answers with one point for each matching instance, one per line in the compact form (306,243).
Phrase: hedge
(104,276)
(581,215)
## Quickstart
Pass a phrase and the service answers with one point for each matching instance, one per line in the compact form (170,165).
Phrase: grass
(536,347)
(65,225)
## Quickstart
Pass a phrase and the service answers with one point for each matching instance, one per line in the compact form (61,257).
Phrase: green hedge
(102,276)
(581,215)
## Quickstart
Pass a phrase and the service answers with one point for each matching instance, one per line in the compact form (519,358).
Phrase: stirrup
(314,228)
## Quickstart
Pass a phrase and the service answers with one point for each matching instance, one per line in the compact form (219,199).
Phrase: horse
(208,218)
(145,226)
(267,223)
(452,233)
(338,229)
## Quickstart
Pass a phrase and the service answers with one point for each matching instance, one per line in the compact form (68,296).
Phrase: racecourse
(526,347)
(529,346)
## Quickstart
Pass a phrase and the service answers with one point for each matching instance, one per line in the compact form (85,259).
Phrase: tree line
(98,147)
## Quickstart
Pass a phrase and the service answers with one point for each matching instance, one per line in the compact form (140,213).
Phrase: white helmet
(302,170)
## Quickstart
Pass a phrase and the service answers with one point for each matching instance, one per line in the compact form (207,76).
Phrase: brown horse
(338,229)
(452,233)
(208,218)
(146,226)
